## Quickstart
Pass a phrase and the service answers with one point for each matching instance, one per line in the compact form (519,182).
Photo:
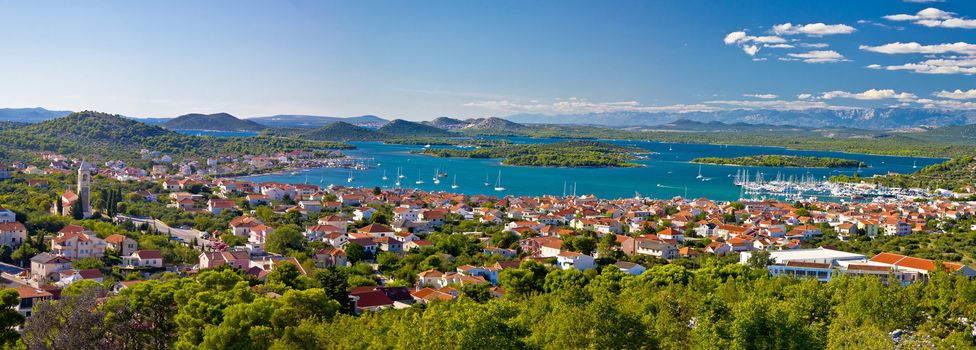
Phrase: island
(560,154)
(783,161)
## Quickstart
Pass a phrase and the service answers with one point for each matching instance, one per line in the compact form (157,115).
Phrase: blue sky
(421,60)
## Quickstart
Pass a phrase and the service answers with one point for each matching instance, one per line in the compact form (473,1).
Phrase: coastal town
(459,240)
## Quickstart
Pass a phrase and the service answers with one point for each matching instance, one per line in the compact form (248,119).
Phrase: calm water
(664,175)
(217,133)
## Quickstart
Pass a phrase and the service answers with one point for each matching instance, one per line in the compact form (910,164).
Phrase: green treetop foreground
(783,161)
(718,306)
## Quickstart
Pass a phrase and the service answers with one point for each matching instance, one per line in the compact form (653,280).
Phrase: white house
(574,260)
(144,258)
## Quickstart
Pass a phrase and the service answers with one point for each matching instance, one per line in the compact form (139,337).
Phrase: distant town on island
(488,175)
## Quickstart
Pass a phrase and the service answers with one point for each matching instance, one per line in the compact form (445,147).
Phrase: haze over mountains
(866,118)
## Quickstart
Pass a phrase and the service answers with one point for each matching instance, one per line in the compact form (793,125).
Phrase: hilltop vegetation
(92,134)
(561,154)
(214,122)
(783,161)
(951,174)
(337,131)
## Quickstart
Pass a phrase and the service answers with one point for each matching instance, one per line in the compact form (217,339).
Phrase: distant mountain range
(215,122)
(496,124)
(866,118)
(311,121)
(29,115)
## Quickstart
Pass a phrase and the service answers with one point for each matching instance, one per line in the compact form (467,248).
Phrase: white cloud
(933,17)
(946,104)
(914,47)
(774,104)
(923,1)
(804,96)
(763,96)
(957,95)
(741,37)
(966,66)
(872,94)
(751,44)
(780,46)
(735,37)
(812,29)
(814,45)
(750,50)
(819,56)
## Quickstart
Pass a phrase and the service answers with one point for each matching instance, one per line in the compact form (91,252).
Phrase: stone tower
(84,187)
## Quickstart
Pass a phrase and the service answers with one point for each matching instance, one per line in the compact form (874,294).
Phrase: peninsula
(783,161)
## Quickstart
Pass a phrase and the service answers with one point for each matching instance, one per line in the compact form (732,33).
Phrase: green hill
(401,127)
(91,134)
(341,131)
(952,134)
(215,122)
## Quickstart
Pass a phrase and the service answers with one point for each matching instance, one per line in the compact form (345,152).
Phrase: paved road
(185,235)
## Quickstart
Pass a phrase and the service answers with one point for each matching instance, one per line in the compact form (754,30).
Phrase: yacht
(486,181)
(699,173)
(455,185)
(420,181)
(350,179)
(384,175)
(400,173)
(498,182)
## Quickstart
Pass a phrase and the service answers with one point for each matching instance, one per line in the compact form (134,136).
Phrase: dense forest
(784,161)
(560,154)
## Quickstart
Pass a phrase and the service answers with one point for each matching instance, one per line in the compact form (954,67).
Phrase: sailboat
(486,180)
(669,147)
(914,165)
(322,179)
(498,182)
(400,173)
(350,179)
(420,181)
(436,179)
(399,176)
(455,185)
(699,173)
(384,175)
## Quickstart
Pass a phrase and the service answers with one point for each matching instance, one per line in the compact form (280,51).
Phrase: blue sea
(218,133)
(665,174)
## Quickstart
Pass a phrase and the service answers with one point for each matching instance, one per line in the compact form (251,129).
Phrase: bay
(665,174)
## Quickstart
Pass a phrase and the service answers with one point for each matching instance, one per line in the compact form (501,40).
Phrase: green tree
(77,212)
(356,253)
(285,238)
(10,319)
